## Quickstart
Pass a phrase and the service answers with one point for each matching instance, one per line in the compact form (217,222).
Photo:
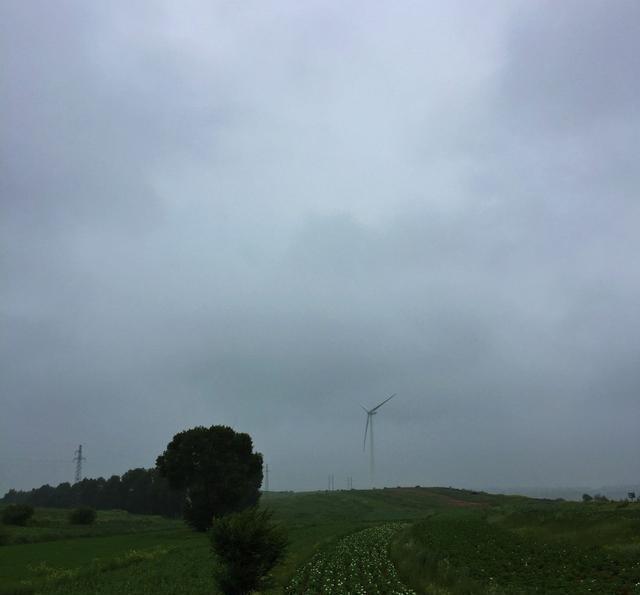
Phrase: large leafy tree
(218,470)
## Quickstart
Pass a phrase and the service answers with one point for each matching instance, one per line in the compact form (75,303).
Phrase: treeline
(139,491)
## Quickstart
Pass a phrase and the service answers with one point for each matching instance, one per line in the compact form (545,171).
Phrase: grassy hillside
(60,558)
(129,554)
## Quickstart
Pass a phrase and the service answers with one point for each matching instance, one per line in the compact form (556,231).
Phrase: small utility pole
(266,478)
(78,459)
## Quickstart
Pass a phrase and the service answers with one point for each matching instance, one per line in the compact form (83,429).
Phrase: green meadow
(401,540)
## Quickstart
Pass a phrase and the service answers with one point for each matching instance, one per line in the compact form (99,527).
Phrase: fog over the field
(265,214)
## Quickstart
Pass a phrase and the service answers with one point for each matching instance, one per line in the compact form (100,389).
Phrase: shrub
(82,516)
(17,514)
(247,546)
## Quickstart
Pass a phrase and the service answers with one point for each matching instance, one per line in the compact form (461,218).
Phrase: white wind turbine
(369,427)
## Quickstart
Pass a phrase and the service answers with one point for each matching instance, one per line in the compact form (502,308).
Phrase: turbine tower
(369,427)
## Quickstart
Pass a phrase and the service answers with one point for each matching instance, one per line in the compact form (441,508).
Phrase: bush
(247,546)
(17,514)
(82,516)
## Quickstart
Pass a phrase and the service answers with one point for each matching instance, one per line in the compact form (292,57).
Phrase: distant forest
(138,491)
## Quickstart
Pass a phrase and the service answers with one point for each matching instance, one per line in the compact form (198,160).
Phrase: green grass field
(412,540)
(533,548)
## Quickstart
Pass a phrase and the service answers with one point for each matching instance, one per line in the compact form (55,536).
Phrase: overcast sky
(267,214)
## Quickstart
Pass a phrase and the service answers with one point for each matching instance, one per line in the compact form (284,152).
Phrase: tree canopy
(218,470)
(139,491)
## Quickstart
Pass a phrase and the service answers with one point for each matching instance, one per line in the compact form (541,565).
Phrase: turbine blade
(383,402)
(364,444)
(365,409)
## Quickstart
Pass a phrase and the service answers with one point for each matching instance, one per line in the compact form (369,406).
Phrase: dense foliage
(218,469)
(139,491)
(84,515)
(247,546)
(17,514)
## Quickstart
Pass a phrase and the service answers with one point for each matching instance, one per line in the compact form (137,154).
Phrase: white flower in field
(358,565)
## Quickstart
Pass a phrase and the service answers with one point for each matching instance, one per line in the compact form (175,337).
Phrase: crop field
(411,540)
(564,548)
(358,564)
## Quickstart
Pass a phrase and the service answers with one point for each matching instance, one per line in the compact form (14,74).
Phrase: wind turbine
(370,413)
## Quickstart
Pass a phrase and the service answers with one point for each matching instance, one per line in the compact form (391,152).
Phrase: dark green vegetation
(139,491)
(50,524)
(217,469)
(180,560)
(533,548)
(17,514)
(50,550)
(83,516)
(452,540)
(247,545)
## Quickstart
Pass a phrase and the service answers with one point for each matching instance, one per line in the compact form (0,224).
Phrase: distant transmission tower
(330,483)
(78,459)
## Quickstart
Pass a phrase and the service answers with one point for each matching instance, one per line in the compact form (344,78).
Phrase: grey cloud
(216,214)
(573,64)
